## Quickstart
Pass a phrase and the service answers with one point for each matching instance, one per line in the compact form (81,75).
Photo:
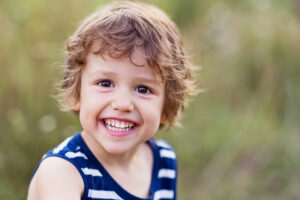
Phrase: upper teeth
(119,124)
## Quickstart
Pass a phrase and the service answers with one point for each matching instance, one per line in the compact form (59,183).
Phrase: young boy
(126,76)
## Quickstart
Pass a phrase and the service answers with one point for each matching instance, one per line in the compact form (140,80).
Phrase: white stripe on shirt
(71,154)
(163,144)
(167,154)
(62,145)
(103,194)
(163,194)
(92,172)
(166,173)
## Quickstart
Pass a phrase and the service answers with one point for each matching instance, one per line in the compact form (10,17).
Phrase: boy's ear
(163,119)
(76,106)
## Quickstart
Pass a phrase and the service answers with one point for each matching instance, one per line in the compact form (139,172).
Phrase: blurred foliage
(240,138)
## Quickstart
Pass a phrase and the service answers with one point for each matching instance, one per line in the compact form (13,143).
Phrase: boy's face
(120,103)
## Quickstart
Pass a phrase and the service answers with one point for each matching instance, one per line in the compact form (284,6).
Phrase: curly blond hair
(121,27)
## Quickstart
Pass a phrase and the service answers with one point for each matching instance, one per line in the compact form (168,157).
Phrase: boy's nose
(122,102)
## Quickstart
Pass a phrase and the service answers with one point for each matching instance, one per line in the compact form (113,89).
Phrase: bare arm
(56,179)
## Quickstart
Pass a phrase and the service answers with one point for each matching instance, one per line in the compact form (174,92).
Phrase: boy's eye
(105,83)
(143,90)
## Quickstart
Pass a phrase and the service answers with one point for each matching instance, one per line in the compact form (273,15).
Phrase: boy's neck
(125,160)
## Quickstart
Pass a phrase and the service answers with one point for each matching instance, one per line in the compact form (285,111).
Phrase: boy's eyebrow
(96,73)
(148,80)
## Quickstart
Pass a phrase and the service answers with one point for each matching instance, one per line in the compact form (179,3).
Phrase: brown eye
(143,90)
(105,83)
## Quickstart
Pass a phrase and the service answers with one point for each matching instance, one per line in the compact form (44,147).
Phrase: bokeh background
(241,138)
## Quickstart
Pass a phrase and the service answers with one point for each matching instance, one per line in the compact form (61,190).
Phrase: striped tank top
(98,184)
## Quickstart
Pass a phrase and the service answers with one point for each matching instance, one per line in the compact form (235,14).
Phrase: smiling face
(120,103)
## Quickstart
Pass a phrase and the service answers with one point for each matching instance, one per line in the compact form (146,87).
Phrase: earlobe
(163,119)
(76,106)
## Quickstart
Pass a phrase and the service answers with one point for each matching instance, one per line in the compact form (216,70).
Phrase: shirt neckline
(114,186)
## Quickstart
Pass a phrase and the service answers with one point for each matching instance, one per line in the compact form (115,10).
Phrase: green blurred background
(241,138)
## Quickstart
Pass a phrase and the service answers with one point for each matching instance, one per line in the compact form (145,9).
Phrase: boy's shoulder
(56,178)
(58,172)
(70,153)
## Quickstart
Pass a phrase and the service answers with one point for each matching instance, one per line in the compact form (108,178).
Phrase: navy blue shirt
(99,184)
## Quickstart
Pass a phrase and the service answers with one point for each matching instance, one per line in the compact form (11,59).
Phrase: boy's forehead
(138,57)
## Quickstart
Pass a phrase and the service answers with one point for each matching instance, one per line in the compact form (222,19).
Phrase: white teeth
(122,125)
(116,125)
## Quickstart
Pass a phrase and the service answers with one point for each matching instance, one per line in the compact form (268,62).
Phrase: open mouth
(117,125)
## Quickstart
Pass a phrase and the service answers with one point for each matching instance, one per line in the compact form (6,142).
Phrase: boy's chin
(119,150)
